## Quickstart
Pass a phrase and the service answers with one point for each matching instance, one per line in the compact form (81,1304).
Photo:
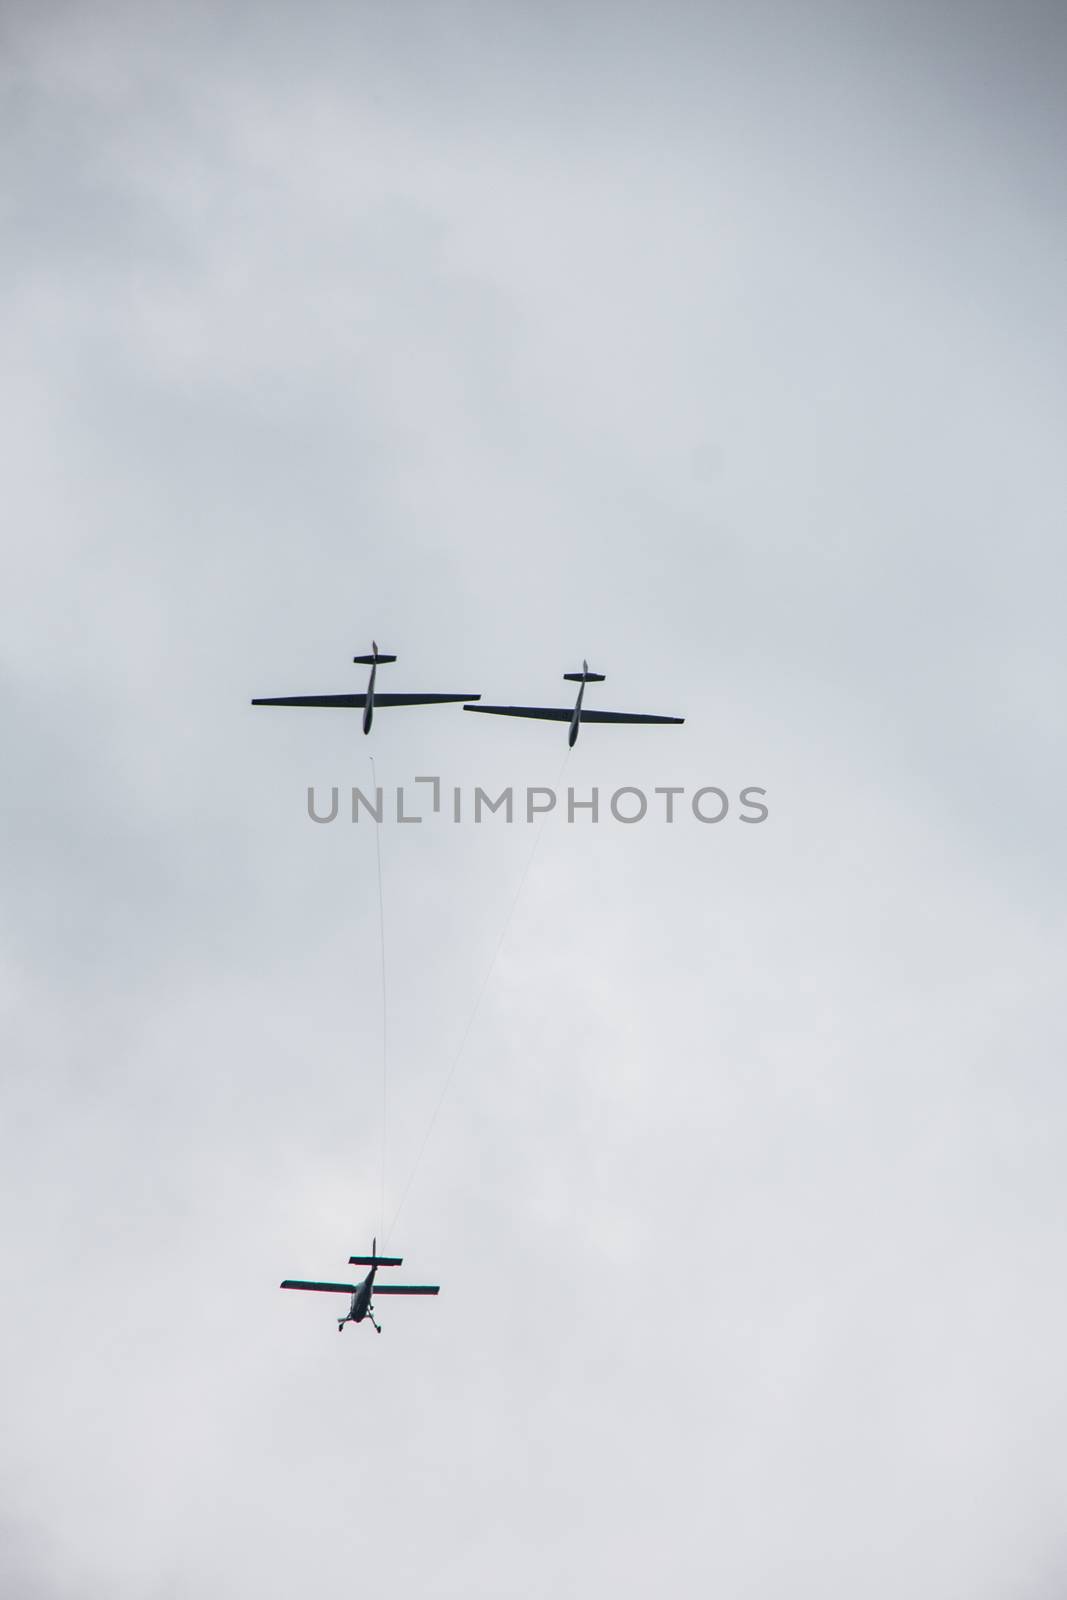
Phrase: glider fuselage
(576,720)
(368,709)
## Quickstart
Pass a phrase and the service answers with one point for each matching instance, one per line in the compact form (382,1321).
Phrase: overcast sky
(723,345)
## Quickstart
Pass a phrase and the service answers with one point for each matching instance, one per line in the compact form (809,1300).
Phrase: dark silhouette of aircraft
(575,715)
(361,1293)
(370,700)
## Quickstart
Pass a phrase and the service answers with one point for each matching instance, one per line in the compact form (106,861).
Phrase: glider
(575,714)
(369,701)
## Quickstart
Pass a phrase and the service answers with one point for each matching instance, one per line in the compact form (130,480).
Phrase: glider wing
(546,713)
(358,700)
(561,714)
(421,699)
(623,716)
(315,700)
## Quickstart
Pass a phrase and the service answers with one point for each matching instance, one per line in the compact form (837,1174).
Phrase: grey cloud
(723,348)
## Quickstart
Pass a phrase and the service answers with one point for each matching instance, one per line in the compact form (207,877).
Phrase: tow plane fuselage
(360,1303)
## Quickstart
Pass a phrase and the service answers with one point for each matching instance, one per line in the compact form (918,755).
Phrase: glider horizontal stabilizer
(406,1288)
(375,1261)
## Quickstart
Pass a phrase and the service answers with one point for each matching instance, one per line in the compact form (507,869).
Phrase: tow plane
(371,700)
(576,714)
(361,1305)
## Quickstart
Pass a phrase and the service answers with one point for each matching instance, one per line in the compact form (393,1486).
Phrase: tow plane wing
(325,1288)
